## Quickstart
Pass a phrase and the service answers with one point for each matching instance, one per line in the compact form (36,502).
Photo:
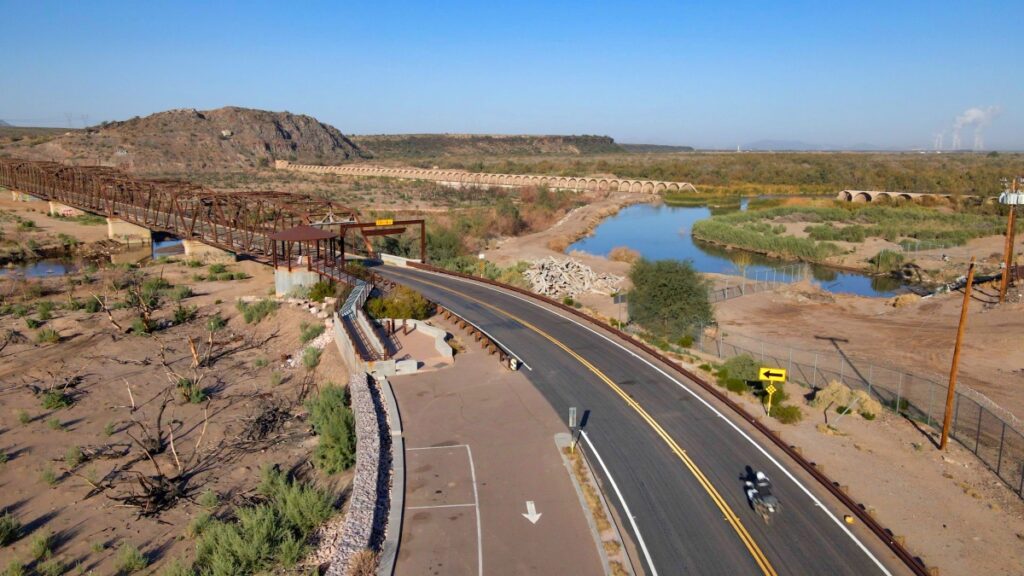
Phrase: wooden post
(951,392)
(1008,262)
(423,241)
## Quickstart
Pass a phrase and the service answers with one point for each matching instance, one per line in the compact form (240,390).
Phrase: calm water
(39,269)
(663,232)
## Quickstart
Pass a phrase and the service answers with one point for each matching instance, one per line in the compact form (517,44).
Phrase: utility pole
(951,392)
(1011,198)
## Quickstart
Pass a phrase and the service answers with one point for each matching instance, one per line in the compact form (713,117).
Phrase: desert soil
(251,422)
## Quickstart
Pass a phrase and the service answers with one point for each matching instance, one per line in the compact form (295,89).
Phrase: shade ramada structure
(304,242)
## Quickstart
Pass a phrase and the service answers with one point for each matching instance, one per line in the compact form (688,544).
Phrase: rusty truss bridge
(239,222)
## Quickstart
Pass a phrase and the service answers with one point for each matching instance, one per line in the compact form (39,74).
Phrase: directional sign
(531,512)
(770,389)
(385,221)
(772,374)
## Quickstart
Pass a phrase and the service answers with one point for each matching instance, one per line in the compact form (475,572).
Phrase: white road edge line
(476,497)
(437,447)
(498,342)
(779,465)
(625,507)
(440,506)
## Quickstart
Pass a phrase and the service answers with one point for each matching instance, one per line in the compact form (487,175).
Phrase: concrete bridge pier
(196,250)
(287,280)
(128,233)
(58,209)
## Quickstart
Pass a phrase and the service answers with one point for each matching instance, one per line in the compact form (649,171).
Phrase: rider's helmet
(761,477)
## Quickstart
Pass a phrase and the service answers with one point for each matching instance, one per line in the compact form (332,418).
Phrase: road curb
(396,513)
(914,563)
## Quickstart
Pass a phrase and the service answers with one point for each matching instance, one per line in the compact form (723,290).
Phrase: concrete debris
(553,277)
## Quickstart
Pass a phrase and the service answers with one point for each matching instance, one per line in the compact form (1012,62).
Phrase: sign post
(770,389)
(572,428)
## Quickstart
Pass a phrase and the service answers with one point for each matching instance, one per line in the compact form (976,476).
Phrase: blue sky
(885,73)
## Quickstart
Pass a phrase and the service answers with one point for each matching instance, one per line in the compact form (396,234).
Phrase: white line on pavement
(440,506)
(746,436)
(625,507)
(476,497)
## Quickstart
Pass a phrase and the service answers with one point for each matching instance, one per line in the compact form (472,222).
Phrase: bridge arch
(862,197)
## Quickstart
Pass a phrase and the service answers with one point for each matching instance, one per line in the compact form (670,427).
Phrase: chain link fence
(754,280)
(992,434)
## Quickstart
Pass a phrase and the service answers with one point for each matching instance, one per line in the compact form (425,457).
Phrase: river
(663,232)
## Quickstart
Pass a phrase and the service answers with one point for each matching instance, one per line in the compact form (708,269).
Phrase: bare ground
(250,422)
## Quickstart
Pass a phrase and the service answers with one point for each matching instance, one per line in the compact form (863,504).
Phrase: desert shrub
(183,314)
(41,546)
(363,563)
(787,414)
(52,567)
(24,417)
(179,293)
(10,528)
(334,422)
(140,326)
(276,378)
(108,429)
(48,476)
(669,298)
(265,535)
(208,499)
(867,415)
(260,363)
(14,568)
(191,391)
(568,301)
(45,310)
(56,399)
(55,424)
(742,366)
(217,268)
(177,568)
(309,332)
(311,357)
(192,263)
(32,323)
(623,254)
(255,312)
(321,290)
(402,302)
(130,560)
(92,306)
(686,341)
(73,456)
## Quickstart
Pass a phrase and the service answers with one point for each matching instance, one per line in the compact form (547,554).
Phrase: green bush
(73,456)
(402,302)
(56,399)
(92,306)
(255,312)
(264,536)
(743,367)
(321,290)
(334,422)
(191,391)
(140,326)
(177,568)
(10,528)
(183,314)
(130,560)
(887,260)
(309,332)
(45,310)
(311,357)
(14,568)
(217,268)
(41,547)
(52,567)
(179,293)
(787,414)
(32,323)
(669,298)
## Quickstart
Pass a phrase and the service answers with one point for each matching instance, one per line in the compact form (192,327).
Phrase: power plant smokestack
(978,118)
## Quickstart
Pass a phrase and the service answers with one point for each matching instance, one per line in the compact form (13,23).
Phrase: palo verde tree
(669,298)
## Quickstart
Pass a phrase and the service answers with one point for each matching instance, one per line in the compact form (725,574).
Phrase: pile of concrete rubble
(553,277)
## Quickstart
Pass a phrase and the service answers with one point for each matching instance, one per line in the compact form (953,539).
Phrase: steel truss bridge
(240,222)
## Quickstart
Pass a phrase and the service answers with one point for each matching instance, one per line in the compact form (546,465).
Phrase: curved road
(675,459)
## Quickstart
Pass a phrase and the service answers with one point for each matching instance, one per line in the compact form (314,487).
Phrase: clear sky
(709,74)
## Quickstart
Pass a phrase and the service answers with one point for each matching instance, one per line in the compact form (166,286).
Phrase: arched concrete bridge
(861,196)
(461,177)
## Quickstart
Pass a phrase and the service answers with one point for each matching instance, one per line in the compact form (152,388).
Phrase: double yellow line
(730,516)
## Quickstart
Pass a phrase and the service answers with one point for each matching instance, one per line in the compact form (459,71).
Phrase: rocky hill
(399,146)
(188,140)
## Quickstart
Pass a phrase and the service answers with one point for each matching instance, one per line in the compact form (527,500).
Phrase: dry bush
(558,244)
(363,563)
(623,254)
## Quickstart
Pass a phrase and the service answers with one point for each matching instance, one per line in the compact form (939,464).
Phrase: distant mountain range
(5,123)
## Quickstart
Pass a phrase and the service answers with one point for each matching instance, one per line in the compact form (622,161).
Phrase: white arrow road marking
(531,512)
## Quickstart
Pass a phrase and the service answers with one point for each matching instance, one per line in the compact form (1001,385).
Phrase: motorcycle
(759,493)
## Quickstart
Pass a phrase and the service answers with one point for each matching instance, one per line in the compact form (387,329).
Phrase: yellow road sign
(772,374)
(770,389)
(385,221)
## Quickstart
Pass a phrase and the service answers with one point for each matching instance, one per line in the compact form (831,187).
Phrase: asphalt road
(640,420)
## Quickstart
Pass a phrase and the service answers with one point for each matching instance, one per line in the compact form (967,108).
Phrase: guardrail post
(814,374)
(871,376)
(899,389)
(977,431)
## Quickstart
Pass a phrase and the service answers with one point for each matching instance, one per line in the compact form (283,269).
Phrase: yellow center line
(730,516)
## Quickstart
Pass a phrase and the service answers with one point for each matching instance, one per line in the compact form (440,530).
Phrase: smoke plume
(976,118)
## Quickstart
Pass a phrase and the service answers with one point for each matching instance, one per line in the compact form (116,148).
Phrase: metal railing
(752,281)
